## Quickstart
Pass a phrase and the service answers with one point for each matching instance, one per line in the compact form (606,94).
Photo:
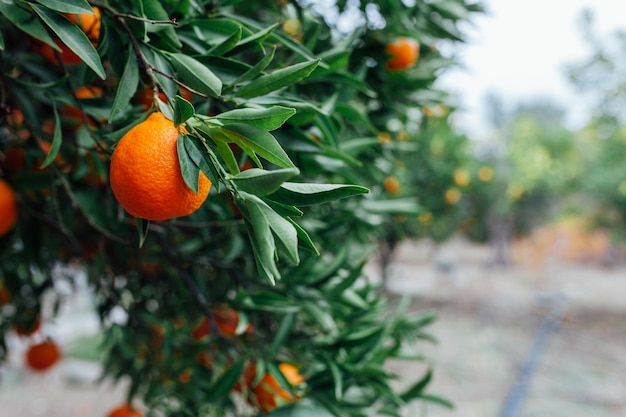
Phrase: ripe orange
(8,208)
(124,411)
(41,356)
(145,172)
(270,394)
(89,23)
(403,52)
(392,185)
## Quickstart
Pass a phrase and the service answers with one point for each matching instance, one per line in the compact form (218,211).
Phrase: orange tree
(225,128)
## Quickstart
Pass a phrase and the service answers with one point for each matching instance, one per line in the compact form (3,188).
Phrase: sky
(519,50)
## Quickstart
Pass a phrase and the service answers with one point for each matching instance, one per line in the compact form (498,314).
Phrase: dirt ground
(541,338)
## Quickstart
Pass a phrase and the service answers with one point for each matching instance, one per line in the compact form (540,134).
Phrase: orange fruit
(145,172)
(461,177)
(75,114)
(226,320)
(452,196)
(403,53)
(485,174)
(270,394)
(41,356)
(8,208)
(392,185)
(5,295)
(89,23)
(124,411)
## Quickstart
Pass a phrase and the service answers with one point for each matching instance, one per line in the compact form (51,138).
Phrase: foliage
(286,121)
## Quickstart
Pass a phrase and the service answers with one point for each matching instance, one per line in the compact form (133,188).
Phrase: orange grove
(403,53)
(8,208)
(145,172)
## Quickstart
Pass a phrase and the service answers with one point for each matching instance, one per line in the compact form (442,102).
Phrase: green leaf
(263,244)
(305,194)
(198,153)
(68,6)
(27,23)
(226,382)
(416,390)
(189,170)
(227,155)
(283,230)
(257,68)
(257,37)
(183,110)
(337,379)
(406,206)
(56,139)
(304,237)
(300,410)
(228,44)
(277,79)
(127,86)
(73,37)
(272,302)
(1,42)
(142,229)
(261,182)
(259,142)
(286,324)
(267,119)
(155,11)
(437,400)
(196,75)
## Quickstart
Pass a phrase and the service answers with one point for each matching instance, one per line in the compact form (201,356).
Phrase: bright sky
(519,50)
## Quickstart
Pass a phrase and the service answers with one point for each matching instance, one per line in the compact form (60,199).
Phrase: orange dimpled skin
(8,208)
(403,52)
(145,173)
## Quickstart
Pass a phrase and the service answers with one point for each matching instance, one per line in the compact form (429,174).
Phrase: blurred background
(524,266)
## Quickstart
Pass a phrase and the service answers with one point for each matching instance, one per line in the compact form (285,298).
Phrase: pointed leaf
(259,141)
(198,153)
(261,182)
(196,75)
(284,231)
(68,6)
(27,23)
(305,194)
(127,86)
(277,79)
(267,119)
(257,68)
(73,37)
(228,44)
(416,390)
(56,139)
(189,170)
(226,382)
(155,11)
(183,110)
